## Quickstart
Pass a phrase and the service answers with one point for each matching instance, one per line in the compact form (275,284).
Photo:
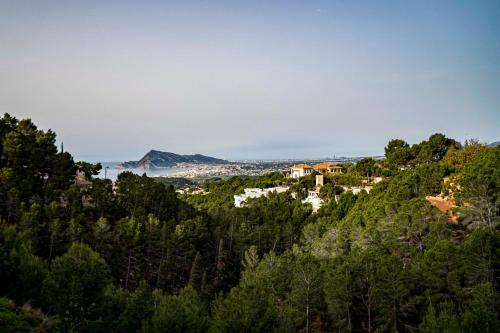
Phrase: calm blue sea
(112,171)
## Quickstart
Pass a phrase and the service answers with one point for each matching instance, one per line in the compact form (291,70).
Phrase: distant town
(241,168)
(170,165)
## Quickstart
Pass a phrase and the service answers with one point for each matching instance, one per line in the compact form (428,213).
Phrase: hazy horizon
(250,80)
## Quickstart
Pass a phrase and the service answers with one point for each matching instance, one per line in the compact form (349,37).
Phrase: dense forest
(83,254)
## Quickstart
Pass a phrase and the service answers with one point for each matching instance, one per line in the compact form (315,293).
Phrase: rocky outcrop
(158,159)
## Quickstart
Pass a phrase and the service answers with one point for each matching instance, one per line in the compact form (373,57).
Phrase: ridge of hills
(159,159)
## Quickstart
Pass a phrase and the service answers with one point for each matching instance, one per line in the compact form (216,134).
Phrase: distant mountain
(494,144)
(159,159)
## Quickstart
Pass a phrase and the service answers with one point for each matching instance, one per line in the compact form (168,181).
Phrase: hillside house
(357,189)
(371,180)
(313,197)
(300,170)
(327,167)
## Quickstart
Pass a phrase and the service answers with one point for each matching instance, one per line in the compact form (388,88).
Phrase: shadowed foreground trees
(75,285)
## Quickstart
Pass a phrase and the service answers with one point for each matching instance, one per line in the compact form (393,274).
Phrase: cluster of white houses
(301,170)
(296,171)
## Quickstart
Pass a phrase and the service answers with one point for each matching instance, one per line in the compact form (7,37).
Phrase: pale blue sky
(251,79)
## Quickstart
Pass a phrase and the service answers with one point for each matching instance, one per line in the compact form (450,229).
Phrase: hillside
(494,144)
(159,159)
(85,254)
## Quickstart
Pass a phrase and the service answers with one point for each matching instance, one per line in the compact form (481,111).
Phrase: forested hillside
(81,254)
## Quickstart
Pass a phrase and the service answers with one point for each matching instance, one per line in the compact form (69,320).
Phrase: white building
(300,170)
(315,202)
(313,195)
(239,199)
(357,189)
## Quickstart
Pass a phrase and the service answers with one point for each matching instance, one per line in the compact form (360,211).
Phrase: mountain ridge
(494,144)
(159,159)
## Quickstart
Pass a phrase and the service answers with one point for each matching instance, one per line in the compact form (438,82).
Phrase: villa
(300,170)
(327,167)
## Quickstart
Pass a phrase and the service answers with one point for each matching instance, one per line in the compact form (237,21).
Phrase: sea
(111,171)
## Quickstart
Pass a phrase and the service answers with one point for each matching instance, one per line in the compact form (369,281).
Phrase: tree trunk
(128,268)
(307,317)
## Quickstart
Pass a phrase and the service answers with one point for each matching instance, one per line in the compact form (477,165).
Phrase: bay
(111,171)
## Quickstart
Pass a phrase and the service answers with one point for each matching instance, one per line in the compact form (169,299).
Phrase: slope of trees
(79,254)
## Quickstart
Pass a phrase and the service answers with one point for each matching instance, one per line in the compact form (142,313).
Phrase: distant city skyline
(251,80)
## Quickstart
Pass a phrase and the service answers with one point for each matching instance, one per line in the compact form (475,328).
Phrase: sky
(250,79)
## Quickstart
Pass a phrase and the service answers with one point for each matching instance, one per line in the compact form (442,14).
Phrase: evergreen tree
(75,285)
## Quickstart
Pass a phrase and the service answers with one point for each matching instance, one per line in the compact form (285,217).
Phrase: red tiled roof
(323,166)
(302,166)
